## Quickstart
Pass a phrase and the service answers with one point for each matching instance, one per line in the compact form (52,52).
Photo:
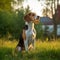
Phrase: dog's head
(31,17)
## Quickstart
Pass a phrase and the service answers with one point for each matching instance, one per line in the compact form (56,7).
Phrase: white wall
(58,29)
(51,28)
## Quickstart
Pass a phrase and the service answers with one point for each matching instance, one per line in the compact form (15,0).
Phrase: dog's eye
(29,14)
(33,14)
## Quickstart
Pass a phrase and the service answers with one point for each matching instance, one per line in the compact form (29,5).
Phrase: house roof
(46,21)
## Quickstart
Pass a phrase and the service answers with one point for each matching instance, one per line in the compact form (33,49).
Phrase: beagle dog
(30,19)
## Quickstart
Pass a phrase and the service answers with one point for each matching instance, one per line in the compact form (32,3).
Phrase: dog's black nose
(38,17)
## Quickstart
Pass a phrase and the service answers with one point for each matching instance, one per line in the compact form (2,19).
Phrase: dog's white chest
(31,30)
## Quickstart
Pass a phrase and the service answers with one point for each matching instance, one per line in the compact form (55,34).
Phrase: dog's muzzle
(37,17)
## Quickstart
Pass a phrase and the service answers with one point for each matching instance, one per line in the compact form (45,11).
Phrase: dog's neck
(30,25)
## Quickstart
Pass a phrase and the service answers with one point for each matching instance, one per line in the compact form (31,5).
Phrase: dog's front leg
(26,44)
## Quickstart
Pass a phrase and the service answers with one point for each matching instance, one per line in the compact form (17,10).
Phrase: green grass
(44,51)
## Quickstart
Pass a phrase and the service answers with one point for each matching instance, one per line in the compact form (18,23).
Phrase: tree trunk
(55,28)
(55,21)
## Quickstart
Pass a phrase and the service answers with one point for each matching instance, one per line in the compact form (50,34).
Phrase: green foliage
(11,23)
(5,5)
(39,30)
(19,23)
(3,23)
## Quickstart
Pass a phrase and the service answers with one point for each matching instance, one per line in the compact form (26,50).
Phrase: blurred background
(12,13)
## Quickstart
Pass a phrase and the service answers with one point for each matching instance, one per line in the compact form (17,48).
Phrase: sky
(35,6)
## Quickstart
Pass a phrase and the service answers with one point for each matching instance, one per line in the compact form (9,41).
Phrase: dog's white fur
(30,35)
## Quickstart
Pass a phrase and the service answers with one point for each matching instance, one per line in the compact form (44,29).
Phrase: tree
(53,6)
(55,16)
(47,10)
(53,11)
(10,22)
(20,21)
(5,5)
(5,17)
(27,10)
(16,4)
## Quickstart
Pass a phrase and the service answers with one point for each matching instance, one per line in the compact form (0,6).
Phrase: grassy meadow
(47,50)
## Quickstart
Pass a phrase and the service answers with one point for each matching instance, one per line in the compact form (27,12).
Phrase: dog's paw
(30,47)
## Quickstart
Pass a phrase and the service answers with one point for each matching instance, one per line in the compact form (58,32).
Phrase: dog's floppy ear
(26,18)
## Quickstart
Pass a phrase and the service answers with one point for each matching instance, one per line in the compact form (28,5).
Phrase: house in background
(47,24)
